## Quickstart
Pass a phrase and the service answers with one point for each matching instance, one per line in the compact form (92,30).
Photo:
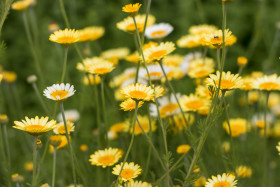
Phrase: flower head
(134,183)
(182,149)
(194,103)
(128,25)
(202,29)
(129,171)
(244,171)
(226,180)
(21,5)
(155,72)
(59,92)
(158,31)
(237,126)
(138,92)
(131,9)
(65,37)
(35,126)
(278,147)
(106,157)
(130,104)
(267,83)
(216,39)
(91,33)
(155,53)
(60,129)
(145,125)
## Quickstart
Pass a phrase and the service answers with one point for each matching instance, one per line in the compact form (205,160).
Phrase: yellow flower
(167,107)
(101,68)
(133,183)
(91,33)
(202,29)
(247,83)
(226,147)
(35,126)
(55,140)
(60,129)
(138,92)
(242,61)
(20,5)
(278,147)
(106,157)
(201,181)
(96,80)
(63,142)
(17,178)
(133,58)
(244,171)
(4,119)
(226,180)
(65,37)
(200,72)
(158,52)
(172,60)
(131,9)
(216,39)
(193,103)
(237,126)
(53,27)
(45,185)
(9,76)
(60,92)
(267,83)
(179,122)
(182,149)
(28,166)
(190,41)
(145,124)
(118,53)
(128,25)
(197,63)
(83,147)
(154,71)
(129,171)
(130,104)
(228,82)
(118,127)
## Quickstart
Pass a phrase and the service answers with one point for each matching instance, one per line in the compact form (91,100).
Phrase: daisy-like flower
(267,83)
(247,84)
(60,129)
(158,52)
(167,107)
(202,29)
(106,157)
(70,115)
(244,171)
(158,31)
(130,104)
(91,33)
(9,76)
(59,92)
(242,61)
(155,72)
(228,82)
(133,58)
(198,62)
(138,92)
(133,183)
(201,181)
(131,9)
(278,147)
(173,60)
(127,25)
(35,126)
(226,179)
(65,37)
(21,5)
(216,39)
(129,171)
(193,103)
(118,127)
(101,68)
(182,149)
(145,124)
(200,72)
(190,41)
(237,126)
(118,53)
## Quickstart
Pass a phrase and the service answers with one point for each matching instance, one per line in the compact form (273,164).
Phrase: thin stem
(69,143)
(34,85)
(200,11)
(104,110)
(265,114)
(7,145)
(43,158)
(62,8)
(97,105)
(64,64)
(131,141)
(146,19)
(54,165)
(34,160)
(265,169)
(2,146)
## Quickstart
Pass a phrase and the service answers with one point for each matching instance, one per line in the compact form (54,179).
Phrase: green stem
(200,10)
(2,146)
(97,107)
(54,165)
(43,158)
(34,160)
(62,8)
(34,85)
(69,143)
(64,64)
(7,145)
(265,169)
(131,141)
(146,19)
(104,110)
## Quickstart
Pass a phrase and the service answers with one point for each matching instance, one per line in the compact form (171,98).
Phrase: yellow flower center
(59,94)
(61,129)
(66,39)
(101,70)
(138,129)
(196,104)
(201,73)
(222,184)
(34,127)
(106,160)
(260,124)
(168,109)
(158,33)
(131,27)
(216,40)
(236,130)
(157,54)
(137,94)
(156,74)
(269,86)
(225,84)
(127,173)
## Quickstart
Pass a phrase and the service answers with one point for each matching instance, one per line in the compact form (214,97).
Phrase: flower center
(216,40)
(101,70)
(194,104)
(59,94)
(168,109)
(137,94)
(154,74)
(225,84)
(157,54)
(127,173)
(158,33)
(131,27)
(236,130)
(66,39)
(106,160)
(222,184)
(34,127)
(269,86)
(201,73)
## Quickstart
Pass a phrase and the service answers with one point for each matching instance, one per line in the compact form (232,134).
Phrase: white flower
(167,106)
(158,31)
(155,72)
(59,92)
(70,115)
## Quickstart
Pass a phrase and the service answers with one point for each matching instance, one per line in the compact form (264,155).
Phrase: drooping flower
(59,92)
(35,126)
(65,37)
(129,171)
(106,157)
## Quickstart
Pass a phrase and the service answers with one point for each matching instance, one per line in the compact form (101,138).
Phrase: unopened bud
(31,79)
